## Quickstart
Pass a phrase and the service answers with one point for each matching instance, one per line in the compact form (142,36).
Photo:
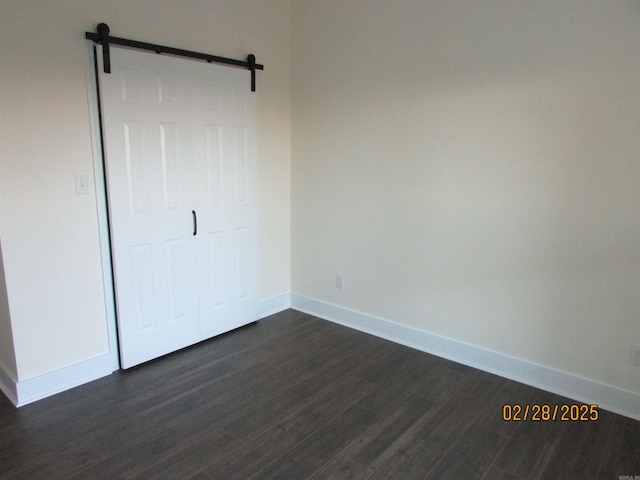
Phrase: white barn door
(181,170)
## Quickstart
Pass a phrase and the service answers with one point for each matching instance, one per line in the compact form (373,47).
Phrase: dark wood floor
(295,397)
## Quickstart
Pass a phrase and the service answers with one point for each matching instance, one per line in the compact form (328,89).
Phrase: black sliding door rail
(103,38)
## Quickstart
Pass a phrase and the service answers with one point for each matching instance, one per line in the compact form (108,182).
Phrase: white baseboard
(581,389)
(27,391)
(275,304)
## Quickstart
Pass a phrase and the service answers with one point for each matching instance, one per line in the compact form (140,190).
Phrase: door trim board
(101,203)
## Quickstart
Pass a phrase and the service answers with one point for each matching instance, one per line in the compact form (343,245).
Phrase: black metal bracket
(251,60)
(103,38)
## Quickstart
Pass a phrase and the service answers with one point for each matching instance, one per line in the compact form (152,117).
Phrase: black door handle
(195,222)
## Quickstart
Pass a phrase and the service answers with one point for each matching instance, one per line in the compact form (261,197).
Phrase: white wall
(472,169)
(50,242)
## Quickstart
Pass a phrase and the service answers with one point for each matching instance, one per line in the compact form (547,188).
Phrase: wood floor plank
(322,358)
(470,456)
(512,393)
(300,341)
(312,453)
(381,437)
(258,453)
(218,395)
(425,443)
(495,473)
(201,453)
(64,463)
(51,440)
(397,388)
(198,476)
(340,468)
(309,391)
(397,359)
(583,443)
(621,455)
(532,444)
(132,461)
(190,460)
(337,399)
(179,386)
(411,461)
(292,426)
(439,384)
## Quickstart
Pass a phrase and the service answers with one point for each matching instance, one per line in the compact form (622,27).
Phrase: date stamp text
(550,413)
